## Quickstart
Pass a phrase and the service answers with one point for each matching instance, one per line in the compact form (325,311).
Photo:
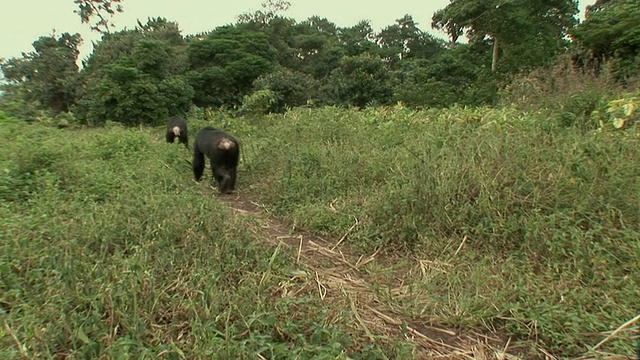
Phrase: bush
(619,113)
(565,92)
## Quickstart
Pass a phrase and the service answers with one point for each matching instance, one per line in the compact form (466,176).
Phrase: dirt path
(337,277)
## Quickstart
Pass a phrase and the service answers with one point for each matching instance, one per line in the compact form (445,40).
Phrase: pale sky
(24,21)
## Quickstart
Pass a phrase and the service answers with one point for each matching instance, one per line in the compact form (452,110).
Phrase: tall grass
(566,92)
(108,250)
(496,219)
(547,217)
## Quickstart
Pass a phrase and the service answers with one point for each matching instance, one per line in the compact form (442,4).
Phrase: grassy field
(485,220)
(110,250)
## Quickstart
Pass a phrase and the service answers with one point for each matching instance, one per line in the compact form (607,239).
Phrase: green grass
(109,250)
(548,216)
(491,219)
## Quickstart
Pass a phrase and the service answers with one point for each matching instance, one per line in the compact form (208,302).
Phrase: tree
(359,80)
(405,40)
(127,94)
(358,39)
(136,76)
(100,9)
(453,77)
(611,30)
(277,28)
(289,88)
(224,65)
(264,17)
(507,23)
(316,47)
(48,76)
(114,46)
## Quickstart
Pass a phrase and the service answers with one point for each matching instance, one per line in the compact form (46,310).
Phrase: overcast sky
(24,21)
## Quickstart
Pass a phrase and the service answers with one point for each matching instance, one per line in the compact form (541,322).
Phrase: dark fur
(224,162)
(182,125)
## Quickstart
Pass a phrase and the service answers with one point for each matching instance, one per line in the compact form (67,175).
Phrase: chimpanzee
(177,127)
(223,151)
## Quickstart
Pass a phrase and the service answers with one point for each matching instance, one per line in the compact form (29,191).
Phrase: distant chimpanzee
(177,127)
(223,151)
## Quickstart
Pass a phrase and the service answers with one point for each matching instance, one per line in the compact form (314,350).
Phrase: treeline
(267,62)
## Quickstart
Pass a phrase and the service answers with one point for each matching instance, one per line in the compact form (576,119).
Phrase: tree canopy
(143,74)
(47,75)
(98,13)
(510,25)
(611,30)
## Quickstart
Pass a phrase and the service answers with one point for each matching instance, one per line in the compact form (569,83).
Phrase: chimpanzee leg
(232,180)
(214,174)
(184,138)
(197,163)
(223,178)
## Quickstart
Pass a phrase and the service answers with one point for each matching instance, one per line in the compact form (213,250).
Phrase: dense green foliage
(528,33)
(452,78)
(225,63)
(612,31)
(47,76)
(136,77)
(143,75)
